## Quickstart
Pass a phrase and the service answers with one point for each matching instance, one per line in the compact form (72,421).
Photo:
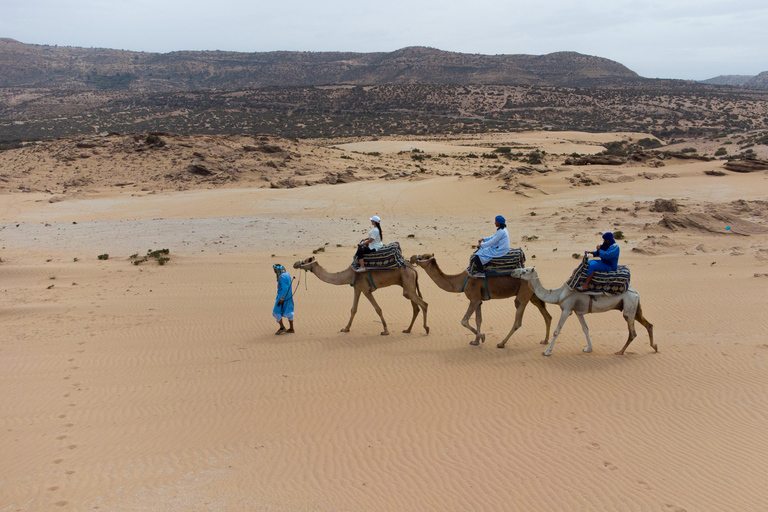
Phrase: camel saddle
(503,266)
(388,257)
(611,282)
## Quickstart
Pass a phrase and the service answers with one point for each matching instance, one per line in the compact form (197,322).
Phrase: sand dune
(154,387)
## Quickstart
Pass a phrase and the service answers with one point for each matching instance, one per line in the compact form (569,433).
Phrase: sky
(656,39)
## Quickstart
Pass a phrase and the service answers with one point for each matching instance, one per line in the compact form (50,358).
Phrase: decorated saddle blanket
(612,282)
(503,266)
(388,257)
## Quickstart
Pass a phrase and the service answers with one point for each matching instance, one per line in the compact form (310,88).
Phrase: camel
(368,282)
(581,303)
(478,289)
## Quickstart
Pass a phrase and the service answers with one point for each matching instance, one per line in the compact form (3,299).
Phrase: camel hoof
(500,345)
(587,350)
(543,342)
(427,329)
(547,353)
(385,333)
(407,331)
(474,343)
(482,338)
(345,330)
(656,348)
(619,353)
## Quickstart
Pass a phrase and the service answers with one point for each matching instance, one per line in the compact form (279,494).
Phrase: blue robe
(494,246)
(609,259)
(284,310)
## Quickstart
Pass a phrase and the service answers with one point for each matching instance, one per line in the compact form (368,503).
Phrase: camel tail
(418,290)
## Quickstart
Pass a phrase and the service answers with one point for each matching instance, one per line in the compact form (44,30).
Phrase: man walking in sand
(284,301)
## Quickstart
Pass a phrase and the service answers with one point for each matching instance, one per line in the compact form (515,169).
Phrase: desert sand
(148,387)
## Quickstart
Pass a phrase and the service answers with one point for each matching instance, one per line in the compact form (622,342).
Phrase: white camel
(571,301)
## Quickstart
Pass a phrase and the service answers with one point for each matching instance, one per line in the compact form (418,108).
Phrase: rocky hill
(69,68)
(755,81)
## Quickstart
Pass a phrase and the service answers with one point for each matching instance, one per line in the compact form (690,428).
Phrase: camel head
(526,273)
(306,264)
(422,259)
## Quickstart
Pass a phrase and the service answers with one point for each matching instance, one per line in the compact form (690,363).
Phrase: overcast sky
(656,39)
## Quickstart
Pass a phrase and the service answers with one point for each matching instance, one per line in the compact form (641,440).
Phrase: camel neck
(338,278)
(547,295)
(450,283)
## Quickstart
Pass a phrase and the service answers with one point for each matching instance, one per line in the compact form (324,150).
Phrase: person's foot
(281,330)
(290,331)
(360,269)
(581,289)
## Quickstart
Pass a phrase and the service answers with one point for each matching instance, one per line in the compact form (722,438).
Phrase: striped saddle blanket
(503,266)
(388,257)
(613,282)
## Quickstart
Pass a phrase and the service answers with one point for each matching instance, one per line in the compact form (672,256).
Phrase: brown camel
(478,289)
(367,282)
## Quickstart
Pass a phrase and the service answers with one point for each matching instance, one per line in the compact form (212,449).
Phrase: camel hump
(387,258)
(611,282)
(502,266)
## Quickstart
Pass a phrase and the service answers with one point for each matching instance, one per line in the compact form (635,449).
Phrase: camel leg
(473,306)
(417,302)
(584,328)
(542,307)
(355,302)
(479,321)
(519,310)
(563,317)
(369,296)
(413,320)
(629,316)
(648,326)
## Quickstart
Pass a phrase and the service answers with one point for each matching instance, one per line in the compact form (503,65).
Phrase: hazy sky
(656,39)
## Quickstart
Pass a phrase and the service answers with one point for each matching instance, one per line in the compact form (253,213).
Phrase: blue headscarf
(279,270)
(608,239)
(500,219)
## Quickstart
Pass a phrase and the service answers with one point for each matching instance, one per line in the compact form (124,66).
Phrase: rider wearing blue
(284,301)
(494,246)
(609,259)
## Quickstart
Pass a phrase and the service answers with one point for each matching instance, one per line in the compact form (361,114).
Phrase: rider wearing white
(494,246)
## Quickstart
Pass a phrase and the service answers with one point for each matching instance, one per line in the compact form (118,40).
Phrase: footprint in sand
(594,446)
(68,425)
(644,485)
(61,438)
(53,488)
(62,503)
(69,472)
(675,508)
(610,466)
(72,446)
(58,461)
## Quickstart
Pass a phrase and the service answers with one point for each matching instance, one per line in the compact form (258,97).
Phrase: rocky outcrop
(746,165)
(596,160)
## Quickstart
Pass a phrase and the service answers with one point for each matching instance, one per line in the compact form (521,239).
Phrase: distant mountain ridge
(756,81)
(70,68)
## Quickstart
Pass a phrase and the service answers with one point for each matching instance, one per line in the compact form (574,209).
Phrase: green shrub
(721,152)
(103,256)
(649,143)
